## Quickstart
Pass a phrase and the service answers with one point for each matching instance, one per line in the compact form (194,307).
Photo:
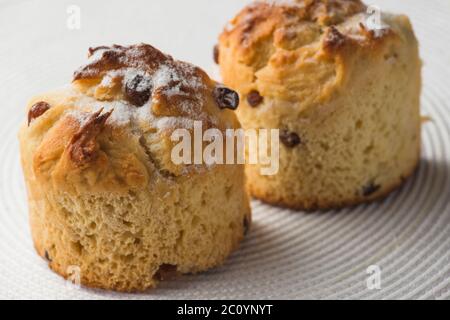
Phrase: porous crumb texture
(346,98)
(105,197)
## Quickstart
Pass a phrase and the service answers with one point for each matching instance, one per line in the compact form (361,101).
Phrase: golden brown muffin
(104,194)
(345,97)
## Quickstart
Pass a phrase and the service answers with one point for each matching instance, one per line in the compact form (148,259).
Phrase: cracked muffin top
(111,128)
(149,84)
(285,47)
(286,24)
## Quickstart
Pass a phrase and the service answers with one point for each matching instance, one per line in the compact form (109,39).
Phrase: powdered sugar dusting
(181,82)
(176,89)
(122,113)
(164,75)
(126,115)
(130,74)
(174,122)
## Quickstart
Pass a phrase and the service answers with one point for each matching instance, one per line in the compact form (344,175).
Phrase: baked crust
(347,95)
(325,205)
(104,194)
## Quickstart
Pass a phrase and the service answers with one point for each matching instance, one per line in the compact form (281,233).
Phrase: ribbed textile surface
(287,254)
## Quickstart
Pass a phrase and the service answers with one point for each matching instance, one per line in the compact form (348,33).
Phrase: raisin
(138,90)
(289,139)
(226,98)
(246,225)
(47,256)
(166,272)
(254,99)
(37,110)
(216,54)
(370,189)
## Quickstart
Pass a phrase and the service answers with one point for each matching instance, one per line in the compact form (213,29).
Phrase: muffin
(106,197)
(345,97)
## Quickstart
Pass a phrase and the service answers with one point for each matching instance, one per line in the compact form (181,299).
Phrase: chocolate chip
(254,99)
(216,54)
(289,139)
(166,272)
(370,189)
(138,90)
(226,98)
(47,256)
(37,110)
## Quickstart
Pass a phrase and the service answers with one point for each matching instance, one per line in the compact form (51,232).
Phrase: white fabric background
(287,254)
